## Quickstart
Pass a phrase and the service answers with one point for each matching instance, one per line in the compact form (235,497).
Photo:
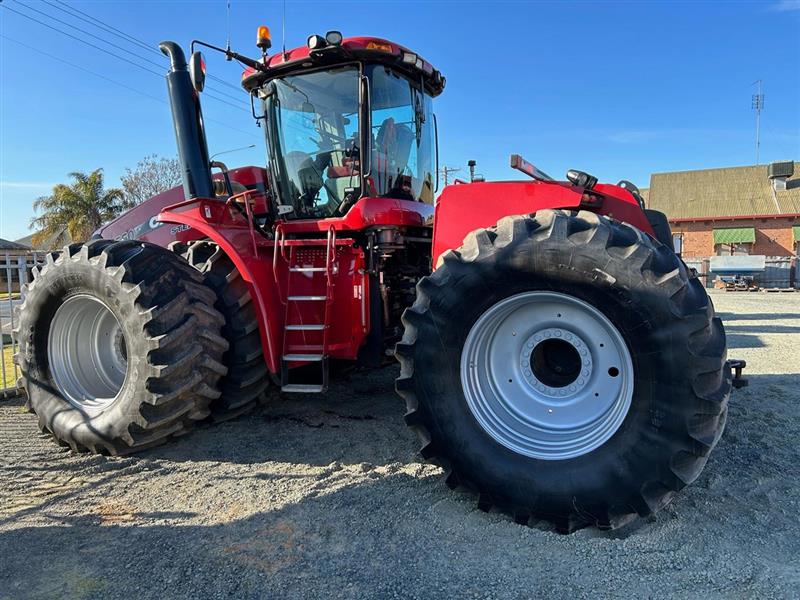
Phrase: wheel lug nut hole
(613,371)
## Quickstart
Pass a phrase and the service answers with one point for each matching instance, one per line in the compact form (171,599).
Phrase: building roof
(729,192)
(9,245)
(53,242)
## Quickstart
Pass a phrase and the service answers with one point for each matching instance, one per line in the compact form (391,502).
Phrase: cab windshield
(316,135)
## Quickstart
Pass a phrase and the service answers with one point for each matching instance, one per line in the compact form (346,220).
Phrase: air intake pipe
(190,133)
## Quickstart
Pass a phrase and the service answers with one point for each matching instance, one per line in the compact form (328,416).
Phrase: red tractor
(557,357)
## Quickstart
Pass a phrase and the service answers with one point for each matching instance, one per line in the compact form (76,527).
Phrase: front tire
(632,419)
(119,346)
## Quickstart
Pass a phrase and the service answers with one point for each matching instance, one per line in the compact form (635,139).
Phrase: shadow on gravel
(400,535)
(748,316)
(395,533)
(336,543)
(742,340)
(359,420)
(762,329)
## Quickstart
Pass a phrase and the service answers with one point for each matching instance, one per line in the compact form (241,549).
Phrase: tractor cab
(346,119)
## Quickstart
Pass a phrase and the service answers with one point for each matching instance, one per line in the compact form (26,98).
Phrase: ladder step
(307,298)
(302,357)
(307,269)
(300,388)
(305,327)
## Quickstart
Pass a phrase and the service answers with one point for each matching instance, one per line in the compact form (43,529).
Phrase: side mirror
(197,71)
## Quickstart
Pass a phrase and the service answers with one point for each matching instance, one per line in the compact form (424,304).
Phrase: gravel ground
(325,497)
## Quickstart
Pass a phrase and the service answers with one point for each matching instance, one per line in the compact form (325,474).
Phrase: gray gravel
(325,497)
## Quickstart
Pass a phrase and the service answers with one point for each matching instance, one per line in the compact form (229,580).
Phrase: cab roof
(369,49)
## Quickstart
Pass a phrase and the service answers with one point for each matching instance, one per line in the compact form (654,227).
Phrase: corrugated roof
(54,242)
(9,245)
(735,235)
(729,192)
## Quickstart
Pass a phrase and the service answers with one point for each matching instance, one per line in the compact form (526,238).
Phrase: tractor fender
(463,208)
(253,261)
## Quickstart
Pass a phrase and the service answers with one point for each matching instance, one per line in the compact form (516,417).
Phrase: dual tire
(247,381)
(123,345)
(120,346)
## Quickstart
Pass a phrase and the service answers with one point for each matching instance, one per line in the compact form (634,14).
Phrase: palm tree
(79,207)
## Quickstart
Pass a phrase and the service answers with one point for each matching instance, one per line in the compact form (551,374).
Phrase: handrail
(279,236)
(249,212)
(330,251)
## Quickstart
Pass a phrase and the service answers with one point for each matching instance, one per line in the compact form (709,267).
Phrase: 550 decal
(147,227)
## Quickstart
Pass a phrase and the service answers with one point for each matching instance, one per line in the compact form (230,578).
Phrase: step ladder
(320,280)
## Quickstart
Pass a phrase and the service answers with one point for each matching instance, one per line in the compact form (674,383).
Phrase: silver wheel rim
(547,375)
(87,353)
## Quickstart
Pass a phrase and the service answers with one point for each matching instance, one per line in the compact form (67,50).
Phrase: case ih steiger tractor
(558,359)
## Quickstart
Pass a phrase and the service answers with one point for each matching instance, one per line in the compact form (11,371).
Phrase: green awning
(796,232)
(735,235)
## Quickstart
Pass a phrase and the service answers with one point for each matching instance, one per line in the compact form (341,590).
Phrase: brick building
(734,211)
(737,210)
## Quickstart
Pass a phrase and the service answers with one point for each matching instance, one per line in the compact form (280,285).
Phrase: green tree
(79,207)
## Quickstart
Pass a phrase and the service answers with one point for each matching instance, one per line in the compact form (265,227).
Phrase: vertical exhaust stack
(190,133)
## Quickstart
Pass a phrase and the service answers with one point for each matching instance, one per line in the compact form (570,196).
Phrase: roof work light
(334,38)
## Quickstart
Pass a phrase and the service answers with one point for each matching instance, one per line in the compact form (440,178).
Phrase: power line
(81,68)
(218,99)
(241,106)
(77,39)
(103,40)
(61,60)
(223,82)
(87,18)
(109,28)
(228,94)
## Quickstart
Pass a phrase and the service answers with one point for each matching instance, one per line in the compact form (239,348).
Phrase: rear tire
(247,379)
(137,355)
(675,413)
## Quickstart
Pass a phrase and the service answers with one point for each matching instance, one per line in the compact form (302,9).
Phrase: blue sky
(619,89)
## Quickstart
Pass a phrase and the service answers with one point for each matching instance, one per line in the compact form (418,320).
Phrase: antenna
(228,28)
(283,30)
(758,105)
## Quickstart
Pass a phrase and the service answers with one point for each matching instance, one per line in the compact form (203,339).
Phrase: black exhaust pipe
(190,133)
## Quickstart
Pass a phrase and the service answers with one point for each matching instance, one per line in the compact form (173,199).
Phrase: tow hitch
(736,365)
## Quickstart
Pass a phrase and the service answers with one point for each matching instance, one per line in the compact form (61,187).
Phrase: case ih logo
(147,227)
(140,230)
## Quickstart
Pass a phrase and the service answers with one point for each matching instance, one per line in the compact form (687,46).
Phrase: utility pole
(446,172)
(758,105)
